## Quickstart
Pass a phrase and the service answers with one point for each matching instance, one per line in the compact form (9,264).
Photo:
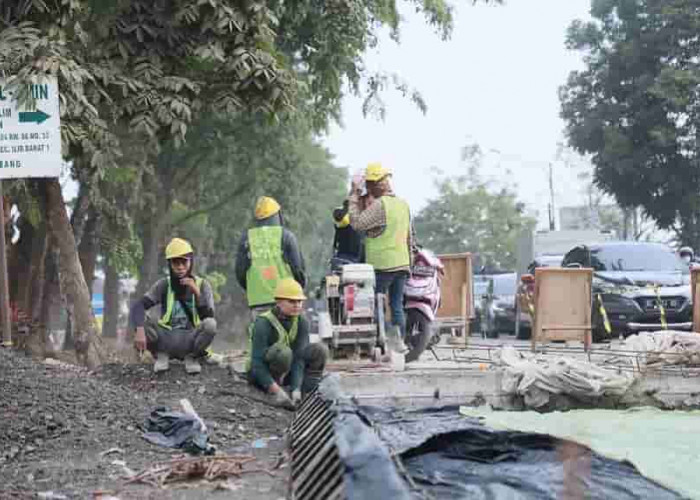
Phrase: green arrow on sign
(37,116)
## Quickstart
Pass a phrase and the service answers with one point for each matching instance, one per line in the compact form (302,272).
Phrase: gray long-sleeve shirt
(157,295)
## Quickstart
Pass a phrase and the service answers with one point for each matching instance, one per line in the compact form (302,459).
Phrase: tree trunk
(88,348)
(111,297)
(89,247)
(78,218)
(37,254)
(36,303)
(19,263)
(50,296)
(149,265)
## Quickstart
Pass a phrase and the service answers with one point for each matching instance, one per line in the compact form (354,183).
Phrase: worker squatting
(281,361)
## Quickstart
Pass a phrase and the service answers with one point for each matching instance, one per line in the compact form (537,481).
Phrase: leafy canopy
(635,107)
(471,215)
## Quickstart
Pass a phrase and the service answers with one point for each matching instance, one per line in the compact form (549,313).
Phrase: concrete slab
(469,376)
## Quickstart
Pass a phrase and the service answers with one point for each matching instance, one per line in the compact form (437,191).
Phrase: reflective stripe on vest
(267,265)
(389,250)
(170,303)
(283,336)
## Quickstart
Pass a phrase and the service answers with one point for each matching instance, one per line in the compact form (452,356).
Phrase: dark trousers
(180,343)
(314,357)
(393,283)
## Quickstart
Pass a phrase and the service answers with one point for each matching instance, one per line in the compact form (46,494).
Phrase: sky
(494,83)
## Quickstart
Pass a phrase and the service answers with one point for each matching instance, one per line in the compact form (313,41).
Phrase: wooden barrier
(456,289)
(562,305)
(695,297)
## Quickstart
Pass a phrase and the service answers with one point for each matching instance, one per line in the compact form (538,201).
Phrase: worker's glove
(282,400)
(296,397)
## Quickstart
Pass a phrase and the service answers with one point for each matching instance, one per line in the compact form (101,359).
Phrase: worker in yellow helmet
(186,325)
(348,244)
(267,253)
(386,222)
(279,353)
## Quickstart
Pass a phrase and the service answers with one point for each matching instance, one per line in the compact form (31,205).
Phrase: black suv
(636,281)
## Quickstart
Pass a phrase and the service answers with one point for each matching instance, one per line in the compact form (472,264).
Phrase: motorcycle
(421,303)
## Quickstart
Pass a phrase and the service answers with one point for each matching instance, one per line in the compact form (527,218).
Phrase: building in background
(599,218)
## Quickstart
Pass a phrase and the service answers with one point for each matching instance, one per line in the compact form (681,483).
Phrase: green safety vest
(389,250)
(164,321)
(285,337)
(267,265)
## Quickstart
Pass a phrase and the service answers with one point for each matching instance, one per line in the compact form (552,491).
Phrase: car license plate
(667,303)
(423,271)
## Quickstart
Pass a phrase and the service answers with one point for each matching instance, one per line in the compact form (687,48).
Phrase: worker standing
(279,353)
(348,244)
(267,254)
(186,326)
(386,221)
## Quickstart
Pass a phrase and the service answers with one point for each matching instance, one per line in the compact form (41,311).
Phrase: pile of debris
(660,349)
(538,379)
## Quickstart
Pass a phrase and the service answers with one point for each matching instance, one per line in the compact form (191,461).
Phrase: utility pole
(551,199)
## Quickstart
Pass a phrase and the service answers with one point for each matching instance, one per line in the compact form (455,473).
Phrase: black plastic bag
(173,429)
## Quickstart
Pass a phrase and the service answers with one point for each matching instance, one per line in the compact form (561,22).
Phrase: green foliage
(149,66)
(124,253)
(325,42)
(636,107)
(470,215)
(217,281)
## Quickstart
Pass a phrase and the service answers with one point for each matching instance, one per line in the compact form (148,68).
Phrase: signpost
(30,146)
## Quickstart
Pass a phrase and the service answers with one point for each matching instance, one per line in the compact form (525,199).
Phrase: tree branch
(226,200)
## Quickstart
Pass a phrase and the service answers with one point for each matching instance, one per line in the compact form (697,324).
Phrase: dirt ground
(58,420)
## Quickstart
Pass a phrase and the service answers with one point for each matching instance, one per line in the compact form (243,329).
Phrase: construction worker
(386,221)
(279,353)
(186,326)
(267,253)
(348,244)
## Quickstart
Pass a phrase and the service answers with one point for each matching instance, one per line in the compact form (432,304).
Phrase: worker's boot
(162,362)
(192,366)
(213,358)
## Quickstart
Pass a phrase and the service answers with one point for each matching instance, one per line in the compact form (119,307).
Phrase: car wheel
(524,333)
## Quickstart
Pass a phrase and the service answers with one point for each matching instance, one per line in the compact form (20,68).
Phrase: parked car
(545,260)
(636,282)
(499,309)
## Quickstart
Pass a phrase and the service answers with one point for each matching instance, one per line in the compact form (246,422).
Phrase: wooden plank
(695,297)
(456,286)
(565,327)
(562,305)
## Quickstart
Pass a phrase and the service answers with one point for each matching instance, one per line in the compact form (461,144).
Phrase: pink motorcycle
(421,302)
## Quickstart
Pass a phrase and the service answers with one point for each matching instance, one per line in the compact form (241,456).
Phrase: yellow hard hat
(289,288)
(344,222)
(177,248)
(266,207)
(376,172)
